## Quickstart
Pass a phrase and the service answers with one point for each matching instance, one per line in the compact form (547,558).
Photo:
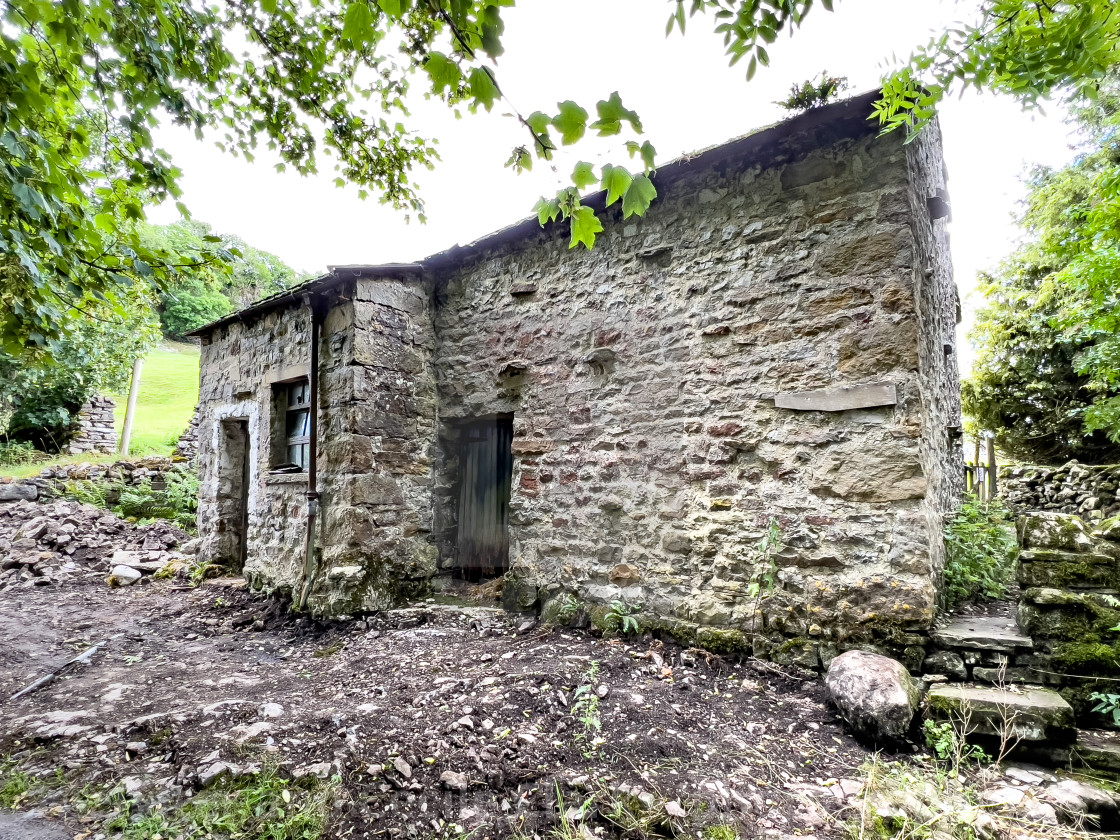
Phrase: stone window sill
(285,478)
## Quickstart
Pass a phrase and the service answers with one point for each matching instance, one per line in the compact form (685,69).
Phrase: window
(292,427)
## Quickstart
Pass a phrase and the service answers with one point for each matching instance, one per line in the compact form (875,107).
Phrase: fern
(177,502)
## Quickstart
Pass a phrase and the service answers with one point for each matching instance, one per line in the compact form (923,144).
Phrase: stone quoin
(772,343)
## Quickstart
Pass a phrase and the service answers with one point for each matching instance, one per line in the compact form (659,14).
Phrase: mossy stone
(1061,569)
(1086,658)
(734,642)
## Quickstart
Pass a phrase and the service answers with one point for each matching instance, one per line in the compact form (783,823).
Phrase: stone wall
(649,454)
(93,429)
(380,406)
(1090,492)
(376,430)
(187,445)
(241,362)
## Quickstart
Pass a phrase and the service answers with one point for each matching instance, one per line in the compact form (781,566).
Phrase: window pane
(299,393)
(298,454)
(299,423)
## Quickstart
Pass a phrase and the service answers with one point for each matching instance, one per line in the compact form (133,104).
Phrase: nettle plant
(981,550)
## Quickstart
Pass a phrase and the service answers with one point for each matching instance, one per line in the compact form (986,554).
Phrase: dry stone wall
(649,455)
(1087,491)
(93,429)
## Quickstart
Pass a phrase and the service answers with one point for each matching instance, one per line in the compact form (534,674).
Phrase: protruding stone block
(1031,714)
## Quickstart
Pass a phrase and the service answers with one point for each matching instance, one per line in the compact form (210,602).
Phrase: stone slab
(839,399)
(1032,714)
(13,492)
(983,633)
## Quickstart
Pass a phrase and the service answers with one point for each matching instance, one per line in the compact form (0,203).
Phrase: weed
(981,549)
(264,807)
(721,832)
(812,94)
(951,746)
(1107,704)
(176,502)
(14,784)
(14,453)
(329,650)
(621,617)
(585,706)
(568,609)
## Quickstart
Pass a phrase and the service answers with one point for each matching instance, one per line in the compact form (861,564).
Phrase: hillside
(168,395)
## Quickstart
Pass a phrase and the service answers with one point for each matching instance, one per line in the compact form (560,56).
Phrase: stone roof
(773,144)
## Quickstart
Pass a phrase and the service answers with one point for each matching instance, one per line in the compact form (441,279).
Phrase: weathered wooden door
(485,476)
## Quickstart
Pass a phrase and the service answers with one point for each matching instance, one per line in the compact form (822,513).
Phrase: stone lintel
(287,373)
(840,399)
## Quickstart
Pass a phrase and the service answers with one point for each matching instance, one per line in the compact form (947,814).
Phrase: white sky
(688,99)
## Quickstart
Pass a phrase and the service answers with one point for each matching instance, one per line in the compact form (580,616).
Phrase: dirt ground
(437,720)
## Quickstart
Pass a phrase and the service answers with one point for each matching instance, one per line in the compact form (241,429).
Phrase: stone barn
(738,416)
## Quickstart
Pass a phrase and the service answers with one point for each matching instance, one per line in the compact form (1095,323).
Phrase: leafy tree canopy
(1047,373)
(42,389)
(85,82)
(208,290)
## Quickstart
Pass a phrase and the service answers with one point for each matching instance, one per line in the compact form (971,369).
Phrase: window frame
(291,405)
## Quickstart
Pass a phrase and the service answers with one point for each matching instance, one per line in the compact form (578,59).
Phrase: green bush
(981,551)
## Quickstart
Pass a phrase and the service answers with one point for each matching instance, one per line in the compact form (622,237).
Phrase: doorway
(233,494)
(485,479)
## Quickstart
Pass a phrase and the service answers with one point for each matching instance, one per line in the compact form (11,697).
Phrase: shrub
(981,550)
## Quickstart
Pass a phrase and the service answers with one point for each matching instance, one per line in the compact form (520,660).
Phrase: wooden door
(485,477)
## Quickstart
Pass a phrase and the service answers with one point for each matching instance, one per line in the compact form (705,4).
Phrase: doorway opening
(233,493)
(485,480)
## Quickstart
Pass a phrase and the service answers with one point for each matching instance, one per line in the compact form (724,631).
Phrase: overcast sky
(688,99)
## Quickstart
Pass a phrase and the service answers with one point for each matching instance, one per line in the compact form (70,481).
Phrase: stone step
(1034,715)
(982,632)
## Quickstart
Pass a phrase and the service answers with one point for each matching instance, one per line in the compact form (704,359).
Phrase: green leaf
(547,210)
(584,175)
(571,122)
(520,160)
(392,8)
(616,181)
(105,222)
(269,6)
(444,72)
(585,225)
(357,26)
(611,115)
(639,196)
(492,28)
(484,89)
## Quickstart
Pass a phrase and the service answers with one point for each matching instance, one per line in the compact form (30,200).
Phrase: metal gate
(485,476)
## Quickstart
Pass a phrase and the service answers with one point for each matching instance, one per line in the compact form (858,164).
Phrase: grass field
(168,394)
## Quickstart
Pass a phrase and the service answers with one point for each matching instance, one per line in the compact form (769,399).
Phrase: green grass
(168,395)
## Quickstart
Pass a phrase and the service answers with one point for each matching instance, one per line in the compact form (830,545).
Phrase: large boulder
(875,694)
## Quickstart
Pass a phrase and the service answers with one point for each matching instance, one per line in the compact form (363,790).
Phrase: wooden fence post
(991,467)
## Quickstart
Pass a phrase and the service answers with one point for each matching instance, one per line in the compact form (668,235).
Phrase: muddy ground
(434,721)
